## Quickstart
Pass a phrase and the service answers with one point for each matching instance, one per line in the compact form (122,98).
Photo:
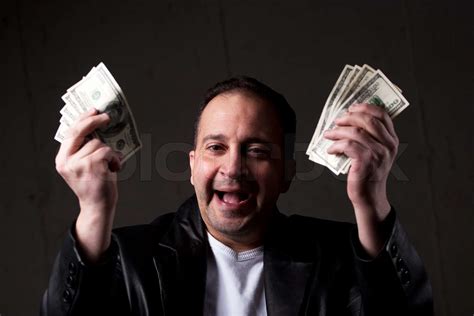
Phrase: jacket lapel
(287,270)
(180,262)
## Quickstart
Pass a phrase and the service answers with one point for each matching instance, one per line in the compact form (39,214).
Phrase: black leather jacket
(311,267)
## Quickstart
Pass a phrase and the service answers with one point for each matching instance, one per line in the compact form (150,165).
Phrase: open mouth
(234,198)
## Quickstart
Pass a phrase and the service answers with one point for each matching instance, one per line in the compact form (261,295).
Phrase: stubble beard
(231,224)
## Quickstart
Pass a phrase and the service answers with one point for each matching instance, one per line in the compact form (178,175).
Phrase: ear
(191,165)
(288,174)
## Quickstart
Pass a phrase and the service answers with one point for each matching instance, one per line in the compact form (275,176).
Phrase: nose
(234,166)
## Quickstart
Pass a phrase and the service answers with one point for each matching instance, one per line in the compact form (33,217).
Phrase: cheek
(267,176)
(204,171)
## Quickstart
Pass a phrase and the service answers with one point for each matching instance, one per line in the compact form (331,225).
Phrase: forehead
(240,115)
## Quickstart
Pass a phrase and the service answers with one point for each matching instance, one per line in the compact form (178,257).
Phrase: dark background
(165,54)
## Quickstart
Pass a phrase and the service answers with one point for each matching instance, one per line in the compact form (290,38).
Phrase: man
(228,250)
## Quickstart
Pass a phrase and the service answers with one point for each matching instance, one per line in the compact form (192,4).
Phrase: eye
(215,148)
(259,152)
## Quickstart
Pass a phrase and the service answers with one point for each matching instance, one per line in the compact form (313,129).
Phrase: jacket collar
(183,250)
(180,262)
(288,266)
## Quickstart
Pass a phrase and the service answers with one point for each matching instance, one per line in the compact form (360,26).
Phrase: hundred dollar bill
(100,90)
(365,73)
(69,112)
(66,121)
(72,108)
(60,133)
(329,102)
(331,107)
(362,77)
(347,85)
(378,90)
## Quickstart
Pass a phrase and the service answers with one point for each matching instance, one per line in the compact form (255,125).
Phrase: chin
(231,222)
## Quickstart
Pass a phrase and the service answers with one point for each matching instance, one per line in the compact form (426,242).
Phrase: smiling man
(237,167)
(228,250)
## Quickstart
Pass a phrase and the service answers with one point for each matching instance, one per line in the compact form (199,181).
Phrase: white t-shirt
(234,282)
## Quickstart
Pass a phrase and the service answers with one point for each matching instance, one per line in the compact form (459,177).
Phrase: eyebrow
(222,137)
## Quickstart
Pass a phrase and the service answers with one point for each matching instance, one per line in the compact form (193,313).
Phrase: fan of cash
(355,85)
(100,90)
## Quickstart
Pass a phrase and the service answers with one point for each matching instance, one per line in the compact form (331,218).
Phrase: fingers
(76,136)
(351,133)
(97,164)
(377,112)
(350,148)
(109,158)
(369,158)
(360,124)
(366,135)
(89,147)
(85,125)
(100,151)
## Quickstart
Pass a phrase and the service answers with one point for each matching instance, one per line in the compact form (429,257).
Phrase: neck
(238,243)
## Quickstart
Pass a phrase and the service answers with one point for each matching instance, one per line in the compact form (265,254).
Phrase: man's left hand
(366,135)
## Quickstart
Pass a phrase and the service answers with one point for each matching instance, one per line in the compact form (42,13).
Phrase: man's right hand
(89,168)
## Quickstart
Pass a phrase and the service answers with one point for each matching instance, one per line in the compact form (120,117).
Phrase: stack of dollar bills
(100,90)
(355,85)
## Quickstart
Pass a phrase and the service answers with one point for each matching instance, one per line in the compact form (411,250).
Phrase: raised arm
(89,168)
(86,278)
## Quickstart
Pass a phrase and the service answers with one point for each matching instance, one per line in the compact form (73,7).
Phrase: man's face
(237,168)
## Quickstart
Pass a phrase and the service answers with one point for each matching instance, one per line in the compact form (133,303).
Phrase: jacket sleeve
(78,288)
(395,282)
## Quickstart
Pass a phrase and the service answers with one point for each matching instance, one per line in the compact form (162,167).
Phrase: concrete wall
(165,54)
